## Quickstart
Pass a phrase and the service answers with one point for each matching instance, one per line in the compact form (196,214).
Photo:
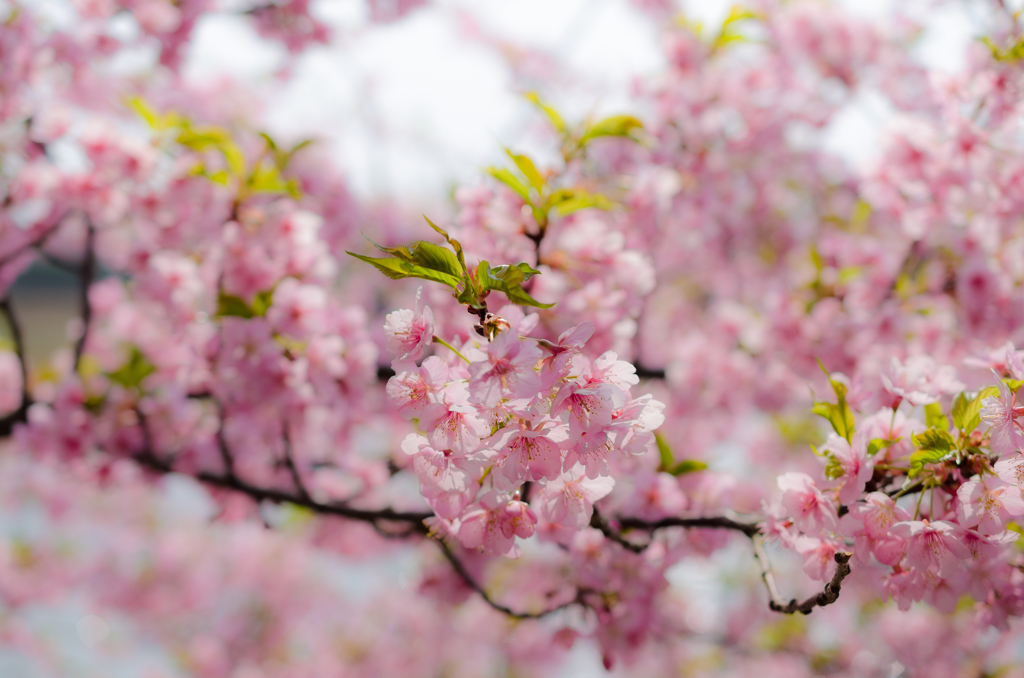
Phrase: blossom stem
(439,340)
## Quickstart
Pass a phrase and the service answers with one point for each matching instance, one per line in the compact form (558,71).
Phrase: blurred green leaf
(131,374)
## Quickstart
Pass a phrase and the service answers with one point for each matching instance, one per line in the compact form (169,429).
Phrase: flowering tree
(691,335)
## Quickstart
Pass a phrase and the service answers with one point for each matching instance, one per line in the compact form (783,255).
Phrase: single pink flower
(988,503)
(802,500)
(933,544)
(1001,414)
(409,332)
(569,499)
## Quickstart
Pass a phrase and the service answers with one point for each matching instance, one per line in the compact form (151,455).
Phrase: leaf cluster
(428,261)
(261,175)
(668,464)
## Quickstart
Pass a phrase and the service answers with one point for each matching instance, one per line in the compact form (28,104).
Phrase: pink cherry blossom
(492,525)
(804,502)
(988,503)
(410,332)
(933,545)
(569,500)
(1001,414)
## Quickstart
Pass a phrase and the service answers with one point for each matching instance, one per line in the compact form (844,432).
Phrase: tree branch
(712,522)
(472,583)
(598,521)
(86,274)
(232,482)
(829,594)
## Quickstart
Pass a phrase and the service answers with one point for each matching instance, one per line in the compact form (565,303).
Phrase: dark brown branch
(472,583)
(649,372)
(20,415)
(150,461)
(829,594)
(598,521)
(712,522)
(86,274)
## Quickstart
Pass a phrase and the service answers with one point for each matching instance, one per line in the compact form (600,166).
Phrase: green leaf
(203,137)
(456,245)
(839,413)
(131,374)
(428,255)
(266,179)
(876,445)
(972,415)
(935,439)
(934,418)
(687,466)
(664,452)
(506,177)
(233,156)
(397,269)
(1012,53)
(508,280)
(528,169)
(261,303)
(144,110)
(568,200)
(553,116)
(1014,384)
(958,410)
(921,457)
(228,305)
(614,126)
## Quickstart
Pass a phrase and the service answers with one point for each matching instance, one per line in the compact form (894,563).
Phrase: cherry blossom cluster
(927,500)
(633,439)
(511,413)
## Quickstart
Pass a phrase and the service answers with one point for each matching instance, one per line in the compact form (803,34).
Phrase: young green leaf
(397,269)
(428,255)
(553,116)
(934,418)
(972,415)
(614,126)
(838,414)
(456,245)
(508,280)
(131,374)
(687,466)
(935,439)
(876,445)
(528,169)
(568,200)
(229,305)
(958,410)
(664,452)
(506,177)
(921,457)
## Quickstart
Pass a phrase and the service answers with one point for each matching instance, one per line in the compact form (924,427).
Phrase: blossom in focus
(409,332)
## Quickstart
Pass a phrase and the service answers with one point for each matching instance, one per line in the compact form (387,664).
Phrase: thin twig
(828,595)
(472,583)
(598,521)
(232,482)
(86,274)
